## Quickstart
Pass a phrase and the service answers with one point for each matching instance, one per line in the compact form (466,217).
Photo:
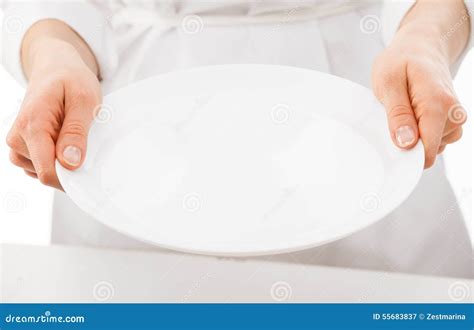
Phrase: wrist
(443,24)
(53,43)
(47,55)
(416,37)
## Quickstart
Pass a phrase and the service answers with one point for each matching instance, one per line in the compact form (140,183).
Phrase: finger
(20,161)
(452,137)
(31,174)
(72,141)
(42,152)
(16,143)
(392,91)
(431,125)
(441,149)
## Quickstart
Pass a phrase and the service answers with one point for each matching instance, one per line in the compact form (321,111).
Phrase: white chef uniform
(133,40)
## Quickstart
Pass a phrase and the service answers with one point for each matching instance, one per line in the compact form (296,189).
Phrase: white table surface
(77,274)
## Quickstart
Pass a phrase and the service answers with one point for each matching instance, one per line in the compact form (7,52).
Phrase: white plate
(242,160)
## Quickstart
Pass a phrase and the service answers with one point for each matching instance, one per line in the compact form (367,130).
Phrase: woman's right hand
(62,97)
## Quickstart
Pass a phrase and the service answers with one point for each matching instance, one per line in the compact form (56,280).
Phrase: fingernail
(72,155)
(405,136)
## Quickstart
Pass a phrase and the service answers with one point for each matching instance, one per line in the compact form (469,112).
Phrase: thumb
(71,145)
(401,118)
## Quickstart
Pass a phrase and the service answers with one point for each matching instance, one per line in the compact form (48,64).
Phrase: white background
(25,209)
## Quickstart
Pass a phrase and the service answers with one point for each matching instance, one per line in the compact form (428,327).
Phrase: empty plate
(241,160)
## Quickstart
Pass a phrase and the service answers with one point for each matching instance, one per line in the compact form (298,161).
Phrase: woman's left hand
(413,81)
